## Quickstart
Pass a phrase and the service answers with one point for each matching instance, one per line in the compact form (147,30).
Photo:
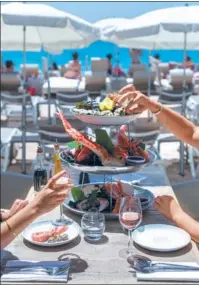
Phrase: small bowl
(135,160)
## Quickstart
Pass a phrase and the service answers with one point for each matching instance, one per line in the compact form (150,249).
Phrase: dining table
(100,262)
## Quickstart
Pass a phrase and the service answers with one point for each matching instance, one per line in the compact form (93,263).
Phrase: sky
(93,11)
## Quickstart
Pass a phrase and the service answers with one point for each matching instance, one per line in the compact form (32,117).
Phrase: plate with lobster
(45,233)
(105,197)
(105,113)
(99,154)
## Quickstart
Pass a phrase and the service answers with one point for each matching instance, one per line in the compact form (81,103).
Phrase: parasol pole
(183,104)
(149,83)
(24,105)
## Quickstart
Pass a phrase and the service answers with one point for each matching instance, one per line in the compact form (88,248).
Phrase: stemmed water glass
(130,217)
(66,180)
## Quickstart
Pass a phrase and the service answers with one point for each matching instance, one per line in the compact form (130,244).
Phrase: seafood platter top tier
(105,113)
(103,156)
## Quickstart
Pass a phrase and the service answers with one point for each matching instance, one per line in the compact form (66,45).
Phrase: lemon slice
(107,105)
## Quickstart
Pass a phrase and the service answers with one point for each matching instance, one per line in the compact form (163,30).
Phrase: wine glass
(64,180)
(130,216)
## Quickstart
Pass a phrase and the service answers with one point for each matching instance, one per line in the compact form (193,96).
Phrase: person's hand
(53,194)
(16,207)
(169,207)
(136,102)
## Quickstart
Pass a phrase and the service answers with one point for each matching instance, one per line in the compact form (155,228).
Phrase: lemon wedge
(107,105)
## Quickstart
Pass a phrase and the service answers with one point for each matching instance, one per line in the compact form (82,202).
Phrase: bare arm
(177,124)
(17,224)
(49,198)
(169,207)
(190,225)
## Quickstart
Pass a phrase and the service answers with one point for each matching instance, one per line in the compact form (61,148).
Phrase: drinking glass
(93,225)
(65,180)
(130,216)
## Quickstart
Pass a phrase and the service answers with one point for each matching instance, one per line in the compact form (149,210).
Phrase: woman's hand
(52,195)
(168,206)
(137,102)
(16,207)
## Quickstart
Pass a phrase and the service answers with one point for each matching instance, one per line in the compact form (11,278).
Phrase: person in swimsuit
(74,68)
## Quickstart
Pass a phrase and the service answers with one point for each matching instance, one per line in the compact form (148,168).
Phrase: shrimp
(45,235)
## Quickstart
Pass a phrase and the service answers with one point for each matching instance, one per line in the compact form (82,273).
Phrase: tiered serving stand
(96,122)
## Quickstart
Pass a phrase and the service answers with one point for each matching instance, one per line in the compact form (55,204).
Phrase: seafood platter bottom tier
(105,197)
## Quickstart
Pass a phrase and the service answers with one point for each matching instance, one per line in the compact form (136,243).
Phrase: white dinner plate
(105,120)
(159,237)
(72,232)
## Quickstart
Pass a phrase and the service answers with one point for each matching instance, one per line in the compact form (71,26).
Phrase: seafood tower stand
(98,154)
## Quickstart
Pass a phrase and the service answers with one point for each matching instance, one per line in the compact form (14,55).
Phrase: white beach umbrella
(29,26)
(45,26)
(155,30)
(171,28)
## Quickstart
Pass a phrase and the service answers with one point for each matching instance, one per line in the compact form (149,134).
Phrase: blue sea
(97,49)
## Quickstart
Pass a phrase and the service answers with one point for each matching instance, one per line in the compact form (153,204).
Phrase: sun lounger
(141,80)
(7,150)
(174,81)
(65,85)
(14,186)
(187,194)
(13,105)
(114,84)
(96,78)
(30,69)
(10,81)
(136,67)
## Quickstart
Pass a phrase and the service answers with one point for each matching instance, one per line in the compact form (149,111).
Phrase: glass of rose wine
(130,217)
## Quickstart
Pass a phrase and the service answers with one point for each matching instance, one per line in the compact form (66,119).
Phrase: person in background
(110,67)
(181,128)
(9,66)
(23,213)
(117,71)
(135,54)
(74,68)
(188,63)
(54,66)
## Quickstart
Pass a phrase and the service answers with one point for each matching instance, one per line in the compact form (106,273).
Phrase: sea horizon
(96,49)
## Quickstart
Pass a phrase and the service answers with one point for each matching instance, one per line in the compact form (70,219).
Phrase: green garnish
(103,139)
(78,194)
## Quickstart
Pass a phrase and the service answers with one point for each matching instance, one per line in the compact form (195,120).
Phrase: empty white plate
(161,237)
(42,226)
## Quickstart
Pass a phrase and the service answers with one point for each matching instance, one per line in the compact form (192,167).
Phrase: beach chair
(8,152)
(64,85)
(14,186)
(114,84)
(96,78)
(30,69)
(188,196)
(10,81)
(13,105)
(136,67)
(163,68)
(141,80)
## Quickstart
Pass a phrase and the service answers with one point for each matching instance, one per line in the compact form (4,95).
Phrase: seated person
(187,63)
(74,68)
(23,213)
(181,128)
(9,66)
(110,67)
(117,71)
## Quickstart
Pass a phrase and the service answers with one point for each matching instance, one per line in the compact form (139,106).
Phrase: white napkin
(16,271)
(171,276)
